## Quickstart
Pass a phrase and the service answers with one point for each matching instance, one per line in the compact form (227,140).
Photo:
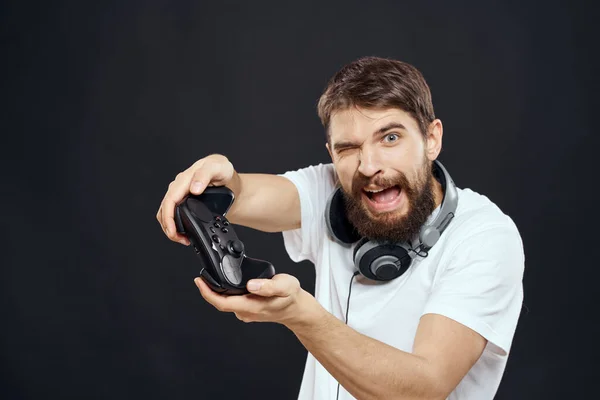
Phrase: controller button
(226,223)
(217,218)
(212,229)
(225,230)
(216,238)
(217,225)
(222,247)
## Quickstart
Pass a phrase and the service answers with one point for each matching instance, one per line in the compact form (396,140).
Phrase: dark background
(103,103)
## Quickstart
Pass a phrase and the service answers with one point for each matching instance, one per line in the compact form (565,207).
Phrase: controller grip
(251,269)
(256,269)
(178,221)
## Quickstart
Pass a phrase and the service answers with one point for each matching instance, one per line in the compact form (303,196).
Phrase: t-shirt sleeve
(314,185)
(481,287)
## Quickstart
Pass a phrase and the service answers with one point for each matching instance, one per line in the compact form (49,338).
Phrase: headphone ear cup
(340,228)
(381,261)
(358,246)
(359,263)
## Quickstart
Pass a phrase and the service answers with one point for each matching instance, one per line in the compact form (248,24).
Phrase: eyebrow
(349,144)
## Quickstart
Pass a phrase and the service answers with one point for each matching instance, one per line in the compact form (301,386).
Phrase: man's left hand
(279,299)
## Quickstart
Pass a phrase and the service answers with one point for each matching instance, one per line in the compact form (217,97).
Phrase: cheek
(405,158)
(345,170)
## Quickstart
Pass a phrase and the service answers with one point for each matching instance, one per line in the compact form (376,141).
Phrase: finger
(180,238)
(217,300)
(173,196)
(281,285)
(159,217)
(170,229)
(209,173)
(247,304)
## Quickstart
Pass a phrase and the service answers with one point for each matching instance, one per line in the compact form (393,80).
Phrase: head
(382,136)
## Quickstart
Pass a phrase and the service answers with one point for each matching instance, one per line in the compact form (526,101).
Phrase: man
(443,329)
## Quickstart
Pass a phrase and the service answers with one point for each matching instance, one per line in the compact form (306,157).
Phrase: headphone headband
(430,233)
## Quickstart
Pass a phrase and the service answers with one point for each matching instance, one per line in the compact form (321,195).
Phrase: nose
(368,162)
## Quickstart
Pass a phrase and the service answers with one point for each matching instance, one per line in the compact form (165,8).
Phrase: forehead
(359,122)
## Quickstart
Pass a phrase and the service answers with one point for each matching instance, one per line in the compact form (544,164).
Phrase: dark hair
(374,82)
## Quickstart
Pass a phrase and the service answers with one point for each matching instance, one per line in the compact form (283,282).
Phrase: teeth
(375,191)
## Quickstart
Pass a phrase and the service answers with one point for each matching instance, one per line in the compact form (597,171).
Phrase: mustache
(360,181)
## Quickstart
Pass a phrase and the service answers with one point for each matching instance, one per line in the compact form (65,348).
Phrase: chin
(396,213)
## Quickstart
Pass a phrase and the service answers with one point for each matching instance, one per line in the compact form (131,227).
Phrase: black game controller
(225,267)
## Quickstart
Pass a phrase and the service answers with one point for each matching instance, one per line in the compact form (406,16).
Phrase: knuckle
(199,174)
(244,317)
(217,156)
(198,163)
(218,161)
(223,308)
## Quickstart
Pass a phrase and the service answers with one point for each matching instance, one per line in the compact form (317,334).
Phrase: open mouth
(383,199)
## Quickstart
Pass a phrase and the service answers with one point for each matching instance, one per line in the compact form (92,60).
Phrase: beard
(390,226)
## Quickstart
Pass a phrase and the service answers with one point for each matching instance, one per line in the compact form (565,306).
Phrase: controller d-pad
(232,270)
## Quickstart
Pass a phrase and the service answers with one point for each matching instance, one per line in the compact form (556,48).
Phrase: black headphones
(384,261)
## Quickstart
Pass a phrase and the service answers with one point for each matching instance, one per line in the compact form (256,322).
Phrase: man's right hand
(213,170)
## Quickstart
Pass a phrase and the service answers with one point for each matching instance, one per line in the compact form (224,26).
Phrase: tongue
(387,195)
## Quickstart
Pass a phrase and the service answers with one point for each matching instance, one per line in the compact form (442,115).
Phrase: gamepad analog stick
(235,247)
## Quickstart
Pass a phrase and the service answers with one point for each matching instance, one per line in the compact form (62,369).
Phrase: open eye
(391,137)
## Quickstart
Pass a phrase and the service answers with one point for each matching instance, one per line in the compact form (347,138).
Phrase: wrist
(307,315)
(235,184)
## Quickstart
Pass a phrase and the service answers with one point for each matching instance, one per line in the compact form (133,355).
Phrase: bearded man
(435,323)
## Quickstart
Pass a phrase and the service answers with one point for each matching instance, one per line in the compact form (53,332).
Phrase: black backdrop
(103,104)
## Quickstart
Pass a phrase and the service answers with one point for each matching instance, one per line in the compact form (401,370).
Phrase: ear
(433,145)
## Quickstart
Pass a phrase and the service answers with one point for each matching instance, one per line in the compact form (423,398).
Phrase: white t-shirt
(473,275)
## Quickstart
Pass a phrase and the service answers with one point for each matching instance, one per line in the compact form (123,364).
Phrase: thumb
(281,285)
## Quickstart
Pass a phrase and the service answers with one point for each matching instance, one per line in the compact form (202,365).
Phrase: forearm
(265,202)
(367,368)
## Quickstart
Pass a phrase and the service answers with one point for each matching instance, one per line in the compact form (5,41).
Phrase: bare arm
(269,203)
(265,202)
(443,352)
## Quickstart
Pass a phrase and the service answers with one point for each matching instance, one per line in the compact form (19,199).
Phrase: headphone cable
(419,251)
(347,310)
